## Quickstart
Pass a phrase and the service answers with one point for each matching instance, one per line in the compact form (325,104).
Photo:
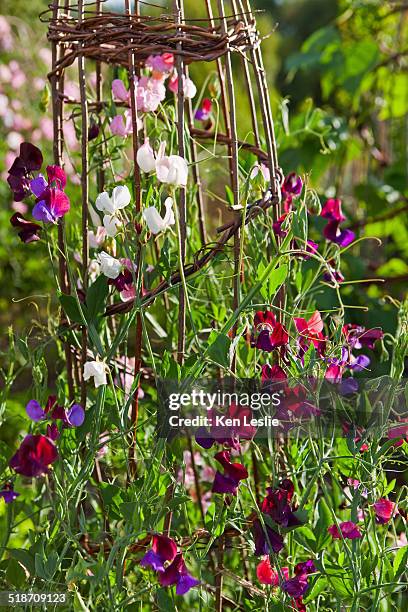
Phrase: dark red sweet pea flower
(358,336)
(177,574)
(162,553)
(268,334)
(277,505)
(8,493)
(29,160)
(267,540)
(273,374)
(35,455)
(277,226)
(384,510)
(28,231)
(348,529)
(291,188)
(267,575)
(233,474)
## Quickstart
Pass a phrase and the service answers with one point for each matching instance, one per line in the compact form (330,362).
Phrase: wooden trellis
(80,34)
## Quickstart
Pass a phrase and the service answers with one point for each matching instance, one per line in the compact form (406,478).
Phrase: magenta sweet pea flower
(52,203)
(399,433)
(348,529)
(332,210)
(384,510)
(162,553)
(333,233)
(358,336)
(28,231)
(8,493)
(233,474)
(267,540)
(164,559)
(292,184)
(35,455)
(29,160)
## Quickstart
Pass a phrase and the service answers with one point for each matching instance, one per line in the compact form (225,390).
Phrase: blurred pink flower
(20,207)
(6,36)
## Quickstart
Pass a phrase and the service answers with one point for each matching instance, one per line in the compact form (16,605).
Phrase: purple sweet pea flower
(293,184)
(177,574)
(28,230)
(359,363)
(333,233)
(296,587)
(348,386)
(8,493)
(162,553)
(268,542)
(75,415)
(358,336)
(34,411)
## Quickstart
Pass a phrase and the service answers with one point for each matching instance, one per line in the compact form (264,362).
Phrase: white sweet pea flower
(155,222)
(172,169)
(260,168)
(111,204)
(97,371)
(145,157)
(111,223)
(110,266)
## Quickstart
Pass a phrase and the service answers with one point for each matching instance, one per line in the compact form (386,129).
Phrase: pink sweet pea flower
(348,529)
(384,510)
(163,63)
(119,90)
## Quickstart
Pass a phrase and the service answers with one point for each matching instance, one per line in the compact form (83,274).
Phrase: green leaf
(96,298)
(319,586)
(15,574)
(218,349)
(24,557)
(400,561)
(324,521)
(70,306)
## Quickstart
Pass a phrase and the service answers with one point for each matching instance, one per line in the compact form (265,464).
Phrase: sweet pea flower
(277,504)
(267,575)
(267,540)
(263,169)
(111,205)
(204,113)
(8,493)
(119,91)
(73,417)
(155,222)
(399,433)
(30,159)
(233,474)
(268,333)
(172,170)
(97,371)
(189,89)
(292,184)
(310,331)
(358,336)
(51,203)
(145,157)
(163,63)
(28,230)
(332,211)
(96,238)
(170,565)
(122,125)
(109,266)
(348,529)
(384,510)
(124,281)
(296,587)
(35,455)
